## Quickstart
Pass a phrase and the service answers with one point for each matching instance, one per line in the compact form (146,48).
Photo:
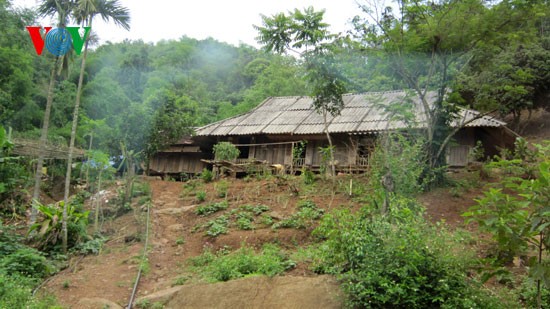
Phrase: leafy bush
(92,246)
(211,208)
(221,188)
(307,176)
(49,230)
(223,267)
(217,226)
(396,261)
(9,240)
(201,196)
(26,262)
(307,213)
(16,292)
(403,159)
(519,224)
(244,220)
(18,259)
(207,175)
(225,151)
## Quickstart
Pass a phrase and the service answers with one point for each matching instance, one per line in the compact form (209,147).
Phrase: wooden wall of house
(273,154)
(459,150)
(345,153)
(176,163)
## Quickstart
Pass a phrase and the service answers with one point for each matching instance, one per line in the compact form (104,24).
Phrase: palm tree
(84,13)
(61,8)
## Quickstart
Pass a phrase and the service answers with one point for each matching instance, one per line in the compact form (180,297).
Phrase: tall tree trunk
(42,144)
(71,147)
(97,202)
(331,149)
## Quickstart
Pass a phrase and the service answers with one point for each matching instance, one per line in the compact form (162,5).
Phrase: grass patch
(224,266)
(211,208)
(307,213)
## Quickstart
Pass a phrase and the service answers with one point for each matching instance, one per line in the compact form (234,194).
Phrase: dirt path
(110,275)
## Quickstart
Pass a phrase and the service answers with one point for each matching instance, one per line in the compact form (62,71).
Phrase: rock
(161,296)
(174,211)
(97,303)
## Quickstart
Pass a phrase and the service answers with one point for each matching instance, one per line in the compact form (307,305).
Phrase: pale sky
(226,21)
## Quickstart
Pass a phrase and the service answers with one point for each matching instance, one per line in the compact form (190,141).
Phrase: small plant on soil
(221,188)
(207,175)
(244,220)
(211,208)
(217,226)
(201,196)
(180,280)
(307,213)
(180,241)
(266,219)
(92,246)
(225,266)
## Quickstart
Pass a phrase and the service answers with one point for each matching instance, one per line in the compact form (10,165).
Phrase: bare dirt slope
(110,275)
(261,292)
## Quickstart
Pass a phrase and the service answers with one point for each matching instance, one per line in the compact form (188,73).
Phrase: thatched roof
(362,113)
(31,148)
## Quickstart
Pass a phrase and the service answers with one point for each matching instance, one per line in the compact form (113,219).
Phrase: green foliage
(394,152)
(243,262)
(13,173)
(16,293)
(307,213)
(221,188)
(519,218)
(506,218)
(48,231)
(180,281)
(201,196)
(225,151)
(207,175)
(26,262)
(244,220)
(308,177)
(217,226)
(211,208)
(398,263)
(92,246)
(326,157)
(16,258)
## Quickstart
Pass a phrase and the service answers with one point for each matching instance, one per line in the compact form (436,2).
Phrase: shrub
(92,246)
(307,176)
(201,196)
(217,226)
(211,208)
(244,220)
(227,266)
(221,188)
(16,292)
(396,261)
(49,230)
(26,262)
(207,175)
(307,213)
(225,151)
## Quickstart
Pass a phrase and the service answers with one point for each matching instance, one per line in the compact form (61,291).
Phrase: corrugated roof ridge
(274,118)
(233,117)
(487,117)
(376,92)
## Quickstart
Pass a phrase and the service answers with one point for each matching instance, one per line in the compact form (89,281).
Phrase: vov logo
(58,41)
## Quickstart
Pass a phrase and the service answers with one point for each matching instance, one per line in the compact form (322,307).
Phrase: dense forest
(497,58)
(125,101)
